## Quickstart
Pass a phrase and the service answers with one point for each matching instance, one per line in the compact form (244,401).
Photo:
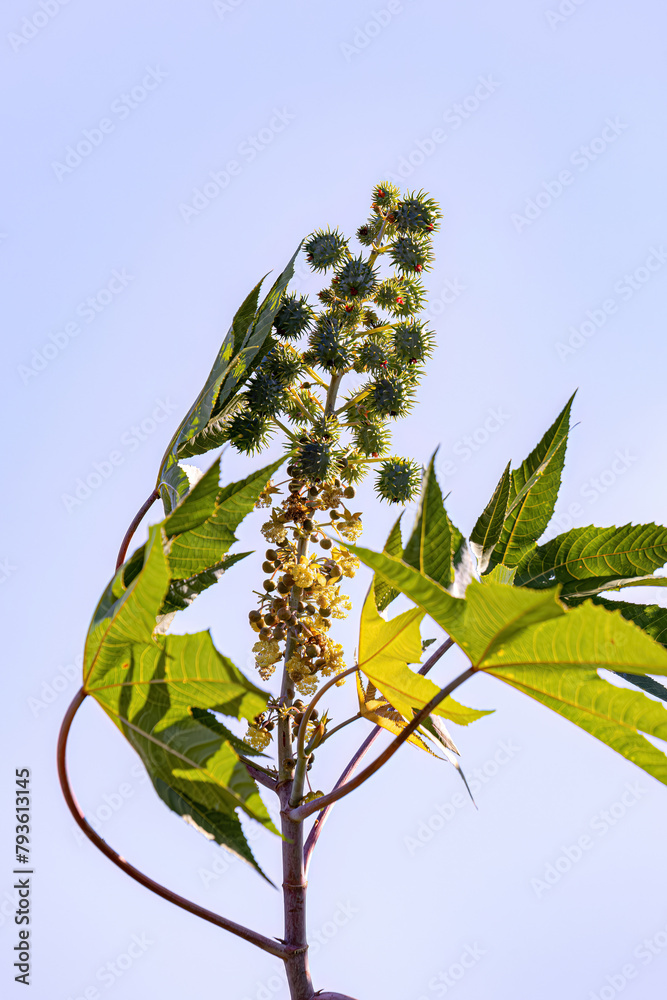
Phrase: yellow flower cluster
(330,495)
(267,654)
(305,573)
(274,530)
(257,738)
(265,498)
(350,528)
(331,597)
(299,670)
(348,563)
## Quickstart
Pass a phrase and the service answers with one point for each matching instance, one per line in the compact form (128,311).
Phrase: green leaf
(590,560)
(651,618)
(613,715)
(182,593)
(533,492)
(241,351)
(149,685)
(648,684)
(385,649)
(487,530)
(201,529)
(385,594)
(429,547)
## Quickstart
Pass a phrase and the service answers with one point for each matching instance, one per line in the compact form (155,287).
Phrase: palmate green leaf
(589,560)
(200,532)
(384,594)
(533,492)
(241,351)
(529,639)
(487,530)
(385,649)
(149,685)
(429,547)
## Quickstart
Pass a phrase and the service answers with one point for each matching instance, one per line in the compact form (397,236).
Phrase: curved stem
(318,825)
(138,518)
(253,937)
(306,810)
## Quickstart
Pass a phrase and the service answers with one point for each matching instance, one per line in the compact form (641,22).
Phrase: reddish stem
(316,830)
(138,518)
(253,937)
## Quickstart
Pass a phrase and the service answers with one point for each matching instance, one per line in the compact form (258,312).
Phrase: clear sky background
(542,135)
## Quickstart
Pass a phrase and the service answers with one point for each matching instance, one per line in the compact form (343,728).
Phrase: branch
(331,996)
(138,518)
(307,809)
(261,776)
(318,825)
(273,947)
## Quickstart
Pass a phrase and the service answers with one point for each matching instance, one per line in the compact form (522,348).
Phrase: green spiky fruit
(372,438)
(417,214)
(283,363)
(308,403)
(326,428)
(370,318)
(265,394)
(386,293)
(388,397)
(294,317)
(330,343)
(368,233)
(373,355)
(356,278)
(411,254)
(248,431)
(386,195)
(410,298)
(326,248)
(315,460)
(355,470)
(398,480)
(412,342)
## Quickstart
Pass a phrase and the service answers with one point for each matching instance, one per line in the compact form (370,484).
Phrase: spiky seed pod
(326,296)
(265,394)
(398,480)
(316,460)
(389,397)
(412,341)
(294,317)
(249,432)
(356,278)
(326,428)
(326,248)
(386,195)
(370,318)
(411,253)
(417,214)
(355,470)
(284,363)
(387,292)
(410,297)
(308,402)
(368,233)
(373,355)
(372,438)
(330,343)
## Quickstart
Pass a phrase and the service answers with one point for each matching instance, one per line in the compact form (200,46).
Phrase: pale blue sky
(489,107)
